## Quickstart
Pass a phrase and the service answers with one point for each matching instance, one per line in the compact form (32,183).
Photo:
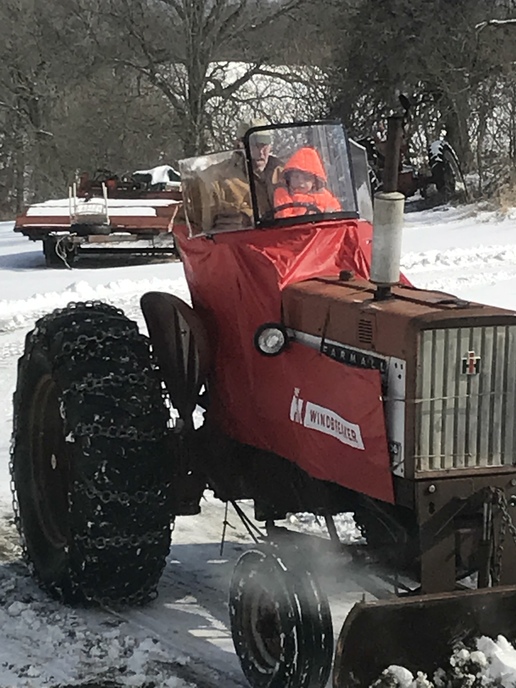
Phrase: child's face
(302,181)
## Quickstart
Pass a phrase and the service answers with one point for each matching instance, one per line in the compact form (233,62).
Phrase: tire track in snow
(21,313)
(487,256)
(460,268)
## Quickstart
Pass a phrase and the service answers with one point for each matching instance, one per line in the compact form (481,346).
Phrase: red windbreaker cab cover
(321,414)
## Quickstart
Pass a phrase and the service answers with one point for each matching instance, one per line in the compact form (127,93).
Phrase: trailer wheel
(57,253)
(89,458)
(280,623)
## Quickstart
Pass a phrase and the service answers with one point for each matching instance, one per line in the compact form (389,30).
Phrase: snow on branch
(494,22)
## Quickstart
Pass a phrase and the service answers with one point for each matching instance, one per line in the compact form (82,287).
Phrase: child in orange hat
(304,191)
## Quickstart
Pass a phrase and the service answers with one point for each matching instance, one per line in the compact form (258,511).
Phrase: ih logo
(296,407)
(471,364)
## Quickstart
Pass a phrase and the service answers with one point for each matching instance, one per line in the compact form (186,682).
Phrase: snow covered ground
(182,638)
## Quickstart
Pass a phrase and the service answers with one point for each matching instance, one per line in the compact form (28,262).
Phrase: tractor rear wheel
(446,172)
(89,458)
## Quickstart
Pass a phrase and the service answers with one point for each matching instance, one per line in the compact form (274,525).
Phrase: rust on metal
(392,153)
(181,345)
(418,632)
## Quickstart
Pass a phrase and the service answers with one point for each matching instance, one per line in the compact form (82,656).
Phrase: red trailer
(132,214)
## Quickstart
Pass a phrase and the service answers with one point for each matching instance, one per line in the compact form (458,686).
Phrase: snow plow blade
(418,632)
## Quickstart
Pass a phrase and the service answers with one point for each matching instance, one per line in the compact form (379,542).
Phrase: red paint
(236,281)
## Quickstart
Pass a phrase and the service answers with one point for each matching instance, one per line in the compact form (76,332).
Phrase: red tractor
(329,385)
(441,170)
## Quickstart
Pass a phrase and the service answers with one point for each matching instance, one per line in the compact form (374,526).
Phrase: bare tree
(36,62)
(187,49)
(63,107)
(428,50)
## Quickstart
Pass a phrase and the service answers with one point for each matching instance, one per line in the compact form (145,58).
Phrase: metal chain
(117,432)
(43,323)
(83,341)
(124,498)
(94,383)
(499,500)
(86,346)
(147,593)
(101,542)
(14,501)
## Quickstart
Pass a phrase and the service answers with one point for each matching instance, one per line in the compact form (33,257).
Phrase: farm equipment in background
(441,169)
(131,214)
(329,385)
(155,180)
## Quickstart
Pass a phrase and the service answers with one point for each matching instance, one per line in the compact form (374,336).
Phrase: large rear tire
(89,458)
(446,171)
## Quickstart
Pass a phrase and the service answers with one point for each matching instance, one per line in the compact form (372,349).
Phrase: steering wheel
(310,209)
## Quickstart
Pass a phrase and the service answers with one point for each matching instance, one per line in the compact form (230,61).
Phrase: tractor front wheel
(280,622)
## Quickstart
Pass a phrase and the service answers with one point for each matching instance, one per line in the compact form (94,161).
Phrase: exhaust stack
(387,235)
(388,217)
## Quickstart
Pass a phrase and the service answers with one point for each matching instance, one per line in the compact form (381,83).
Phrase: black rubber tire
(89,458)
(290,645)
(445,167)
(391,534)
(52,259)
(84,229)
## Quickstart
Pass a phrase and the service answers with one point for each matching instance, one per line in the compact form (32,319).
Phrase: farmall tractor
(329,385)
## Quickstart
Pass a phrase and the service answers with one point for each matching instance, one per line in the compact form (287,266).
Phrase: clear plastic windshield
(289,174)
(314,178)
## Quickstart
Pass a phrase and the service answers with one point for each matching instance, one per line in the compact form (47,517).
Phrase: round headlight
(271,339)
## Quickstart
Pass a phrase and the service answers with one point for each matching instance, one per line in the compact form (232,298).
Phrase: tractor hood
(345,310)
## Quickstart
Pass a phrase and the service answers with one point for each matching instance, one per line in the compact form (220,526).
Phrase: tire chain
(123,498)
(116,432)
(80,348)
(91,383)
(101,542)
(498,499)
(95,307)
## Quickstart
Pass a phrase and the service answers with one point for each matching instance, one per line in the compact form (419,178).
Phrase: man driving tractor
(229,194)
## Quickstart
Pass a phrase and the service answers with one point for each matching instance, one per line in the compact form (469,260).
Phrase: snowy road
(182,638)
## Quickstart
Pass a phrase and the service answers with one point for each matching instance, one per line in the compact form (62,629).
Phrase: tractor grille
(465,399)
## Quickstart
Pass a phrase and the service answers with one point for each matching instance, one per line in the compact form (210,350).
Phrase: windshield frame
(262,222)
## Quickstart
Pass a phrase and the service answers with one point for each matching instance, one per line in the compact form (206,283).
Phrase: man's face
(259,154)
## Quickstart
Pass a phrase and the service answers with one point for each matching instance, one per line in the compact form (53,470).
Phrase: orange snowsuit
(304,160)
